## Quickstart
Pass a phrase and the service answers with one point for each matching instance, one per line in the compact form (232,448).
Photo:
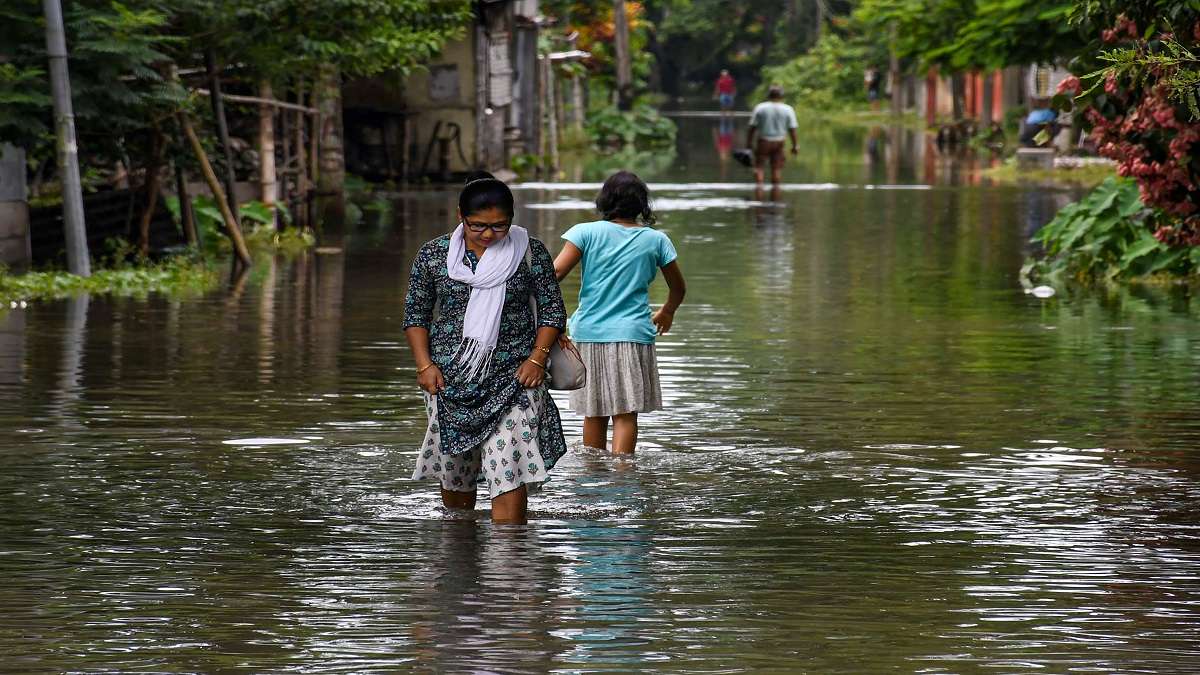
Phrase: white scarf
(481,325)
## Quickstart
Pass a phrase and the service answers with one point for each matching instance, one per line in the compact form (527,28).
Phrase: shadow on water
(878,454)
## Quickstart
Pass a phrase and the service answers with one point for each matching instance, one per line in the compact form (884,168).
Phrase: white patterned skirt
(622,377)
(508,459)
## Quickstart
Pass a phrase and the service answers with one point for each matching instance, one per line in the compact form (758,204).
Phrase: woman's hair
(624,195)
(484,191)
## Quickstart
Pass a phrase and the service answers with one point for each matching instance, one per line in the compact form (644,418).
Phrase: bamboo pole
(218,106)
(231,224)
(74,227)
(258,100)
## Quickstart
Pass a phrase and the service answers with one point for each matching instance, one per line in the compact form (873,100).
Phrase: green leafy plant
(641,127)
(1104,237)
(178,275)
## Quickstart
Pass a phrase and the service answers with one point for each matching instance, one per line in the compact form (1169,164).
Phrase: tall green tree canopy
(964,34)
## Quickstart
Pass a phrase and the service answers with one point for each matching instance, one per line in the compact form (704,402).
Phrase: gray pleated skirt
(622,377)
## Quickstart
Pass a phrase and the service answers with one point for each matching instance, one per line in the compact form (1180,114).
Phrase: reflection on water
(878,454)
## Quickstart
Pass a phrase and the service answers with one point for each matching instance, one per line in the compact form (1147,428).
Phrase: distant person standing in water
(481,354)
(773,121)
(873,82)
(725,91)
(614,326)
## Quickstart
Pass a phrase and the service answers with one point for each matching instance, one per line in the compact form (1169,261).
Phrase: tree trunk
(894,73)
(231,224)
(819,20)
(327,98)
(624,63)
(302,179)
(577,109)
(267,179)
(551,114)
(75,230)
(186,216)
(151,187)
(218,105)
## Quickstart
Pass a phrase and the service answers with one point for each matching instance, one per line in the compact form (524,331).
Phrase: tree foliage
(959,35)
(121,52)
(830,74)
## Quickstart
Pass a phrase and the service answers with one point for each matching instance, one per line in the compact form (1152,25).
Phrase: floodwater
(879,454)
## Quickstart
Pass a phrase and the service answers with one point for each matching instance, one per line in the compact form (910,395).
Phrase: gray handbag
(564,366)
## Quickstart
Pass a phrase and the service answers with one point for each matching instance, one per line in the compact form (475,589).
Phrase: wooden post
(267,179)
(624,62)
(998,96)
(231,224)
(218,105)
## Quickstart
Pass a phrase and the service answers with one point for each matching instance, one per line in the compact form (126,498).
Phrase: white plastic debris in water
(265,441)
(1042,292)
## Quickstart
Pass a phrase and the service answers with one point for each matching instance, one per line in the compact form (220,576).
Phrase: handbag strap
(532,301)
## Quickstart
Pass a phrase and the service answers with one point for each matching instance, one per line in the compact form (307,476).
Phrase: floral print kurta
(468,412)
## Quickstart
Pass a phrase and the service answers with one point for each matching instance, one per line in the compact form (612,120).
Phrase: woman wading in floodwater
(482,362)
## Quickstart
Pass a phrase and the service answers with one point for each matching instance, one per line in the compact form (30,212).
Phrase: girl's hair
(484,191)
(624,195)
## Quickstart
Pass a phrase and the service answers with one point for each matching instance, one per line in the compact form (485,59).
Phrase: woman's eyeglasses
(498,228)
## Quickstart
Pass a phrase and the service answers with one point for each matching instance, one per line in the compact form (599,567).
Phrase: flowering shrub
(1141,112)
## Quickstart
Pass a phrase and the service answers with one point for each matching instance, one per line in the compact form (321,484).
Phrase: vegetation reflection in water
(879,453)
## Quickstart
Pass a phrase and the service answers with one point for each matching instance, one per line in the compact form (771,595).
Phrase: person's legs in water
(512,507)
(453,499)
(777,160)
(625,433)
(595,432)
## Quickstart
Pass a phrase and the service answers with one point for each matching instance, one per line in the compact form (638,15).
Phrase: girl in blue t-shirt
(614,326)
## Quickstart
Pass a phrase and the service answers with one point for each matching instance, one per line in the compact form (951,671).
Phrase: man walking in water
(773,121)
(724,91)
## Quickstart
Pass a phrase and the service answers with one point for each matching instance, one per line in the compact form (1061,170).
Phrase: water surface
(879,453)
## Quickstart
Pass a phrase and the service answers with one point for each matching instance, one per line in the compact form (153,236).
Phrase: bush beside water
(123,272)
(1106,237)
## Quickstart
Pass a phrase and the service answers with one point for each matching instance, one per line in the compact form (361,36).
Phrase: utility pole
(74,228)
(624,64)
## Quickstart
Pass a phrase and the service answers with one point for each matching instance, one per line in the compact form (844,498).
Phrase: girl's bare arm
(567,259)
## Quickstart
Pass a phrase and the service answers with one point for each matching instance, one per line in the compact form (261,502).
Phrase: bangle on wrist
(425,367)
(544,350)
(539,364)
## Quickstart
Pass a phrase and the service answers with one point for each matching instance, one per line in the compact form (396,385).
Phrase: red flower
(1070,84)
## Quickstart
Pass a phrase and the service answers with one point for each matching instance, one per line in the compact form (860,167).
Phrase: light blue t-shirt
(773,120)
(618,265)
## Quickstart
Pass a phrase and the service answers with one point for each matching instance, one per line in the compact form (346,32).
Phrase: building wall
(444,92)
(14,211)
(481,92)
